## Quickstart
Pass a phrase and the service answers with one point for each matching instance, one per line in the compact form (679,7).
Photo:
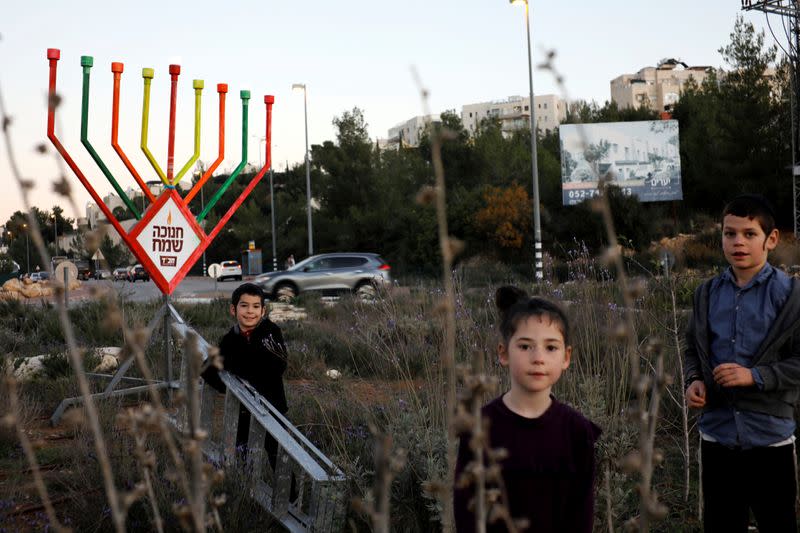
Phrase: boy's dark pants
(736,481)
(243,434)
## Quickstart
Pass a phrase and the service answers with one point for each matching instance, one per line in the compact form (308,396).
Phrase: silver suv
(364,274)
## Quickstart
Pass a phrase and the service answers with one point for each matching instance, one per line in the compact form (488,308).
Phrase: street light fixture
(308,168)
(537,225)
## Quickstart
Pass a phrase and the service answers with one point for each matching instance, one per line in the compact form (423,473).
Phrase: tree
(506,217)
(116,255)
(734,132)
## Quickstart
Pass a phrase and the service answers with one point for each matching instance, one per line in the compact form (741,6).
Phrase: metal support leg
(168,339)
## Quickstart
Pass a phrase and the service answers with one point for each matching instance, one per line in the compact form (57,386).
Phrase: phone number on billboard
(582,194)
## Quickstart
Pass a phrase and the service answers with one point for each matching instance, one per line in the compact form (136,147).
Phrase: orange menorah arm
(117,69)
(222,89)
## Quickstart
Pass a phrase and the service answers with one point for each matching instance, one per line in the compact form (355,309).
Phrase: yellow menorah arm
(198,89)
(147,74)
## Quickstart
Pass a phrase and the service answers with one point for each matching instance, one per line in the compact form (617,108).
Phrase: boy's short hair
(515,306)
(752,206)
(247,288)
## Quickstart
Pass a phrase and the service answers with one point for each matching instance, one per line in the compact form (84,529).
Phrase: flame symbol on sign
(169,218)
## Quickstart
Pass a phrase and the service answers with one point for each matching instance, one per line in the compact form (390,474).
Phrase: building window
(545,105)
(526,108)
(470,115)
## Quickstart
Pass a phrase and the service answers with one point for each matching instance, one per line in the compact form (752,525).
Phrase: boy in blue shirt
(742,366)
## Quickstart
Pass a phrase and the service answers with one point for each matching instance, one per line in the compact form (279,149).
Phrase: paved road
(189,288)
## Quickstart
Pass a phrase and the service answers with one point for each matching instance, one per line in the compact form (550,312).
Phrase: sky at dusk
(349,53)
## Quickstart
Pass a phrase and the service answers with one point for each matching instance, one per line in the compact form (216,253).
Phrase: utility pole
(789,10)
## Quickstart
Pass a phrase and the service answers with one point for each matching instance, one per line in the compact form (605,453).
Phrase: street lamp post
(272,215)
(27,248)
(55,232)
(197,175)
(308,169)
(537,225)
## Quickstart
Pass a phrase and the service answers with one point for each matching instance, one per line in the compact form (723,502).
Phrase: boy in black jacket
(253,350)
(743,368)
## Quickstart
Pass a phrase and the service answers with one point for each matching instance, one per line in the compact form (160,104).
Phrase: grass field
(392,383)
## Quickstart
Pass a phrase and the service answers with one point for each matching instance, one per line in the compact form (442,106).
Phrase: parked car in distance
(101,274)
(230,270)
(120,274)
(40,276)
(138,273)
(84,273)
(362,273)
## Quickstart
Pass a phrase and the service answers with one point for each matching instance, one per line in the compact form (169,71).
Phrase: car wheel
(285,292)
(238,278)
(366,291)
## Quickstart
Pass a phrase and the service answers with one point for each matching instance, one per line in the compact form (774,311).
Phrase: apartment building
(408,132)
(656,87)
(514,113)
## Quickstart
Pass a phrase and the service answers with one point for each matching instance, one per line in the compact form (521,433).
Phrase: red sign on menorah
(168,239)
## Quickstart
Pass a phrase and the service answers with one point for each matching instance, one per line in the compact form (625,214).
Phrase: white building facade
(514,113)
(408,133)
(656,87)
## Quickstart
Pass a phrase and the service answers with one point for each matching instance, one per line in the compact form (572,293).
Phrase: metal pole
(272,214)
(202,208)
(537,225)
(28,250)
(66,288)
(55,232)
(308,178)
(168,338)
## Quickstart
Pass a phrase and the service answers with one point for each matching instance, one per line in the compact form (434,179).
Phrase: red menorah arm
(53,55)
(174,72)
(268,101)
(117,69)
(222,89)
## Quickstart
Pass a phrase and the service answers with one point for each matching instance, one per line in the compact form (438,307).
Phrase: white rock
(333,373)
(29,368)
(109,359)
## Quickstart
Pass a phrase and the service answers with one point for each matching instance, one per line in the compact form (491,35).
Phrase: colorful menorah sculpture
(167,239)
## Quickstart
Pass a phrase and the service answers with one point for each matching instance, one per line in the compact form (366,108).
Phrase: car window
(319,264)
(347,262)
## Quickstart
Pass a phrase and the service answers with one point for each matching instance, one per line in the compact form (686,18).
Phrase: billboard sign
(641,158)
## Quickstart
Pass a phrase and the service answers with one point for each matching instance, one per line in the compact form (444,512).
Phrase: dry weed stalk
(647,388)
(146,459)
(388,463)
(13,419)
(114,498)
(450,248)
(195,486)
(489,505)
(462,416)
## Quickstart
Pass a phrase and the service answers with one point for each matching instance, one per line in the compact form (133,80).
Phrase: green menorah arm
(245,96)
(86,63)
(147,74)
(198,89)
